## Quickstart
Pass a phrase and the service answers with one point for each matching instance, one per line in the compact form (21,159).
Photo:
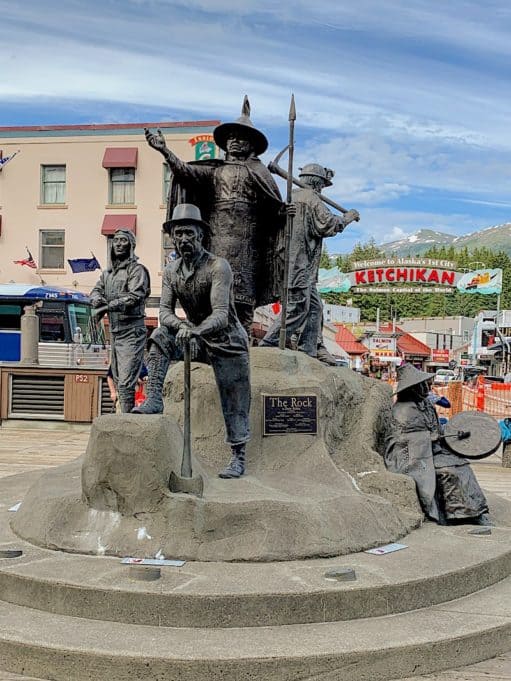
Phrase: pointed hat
(408,376)
(245,125)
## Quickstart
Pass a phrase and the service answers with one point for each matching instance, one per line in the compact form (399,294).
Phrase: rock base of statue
(305,495)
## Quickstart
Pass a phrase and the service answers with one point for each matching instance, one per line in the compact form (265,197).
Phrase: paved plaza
(24,449)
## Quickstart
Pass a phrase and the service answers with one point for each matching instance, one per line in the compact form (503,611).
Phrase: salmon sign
(204,146)
(408,275)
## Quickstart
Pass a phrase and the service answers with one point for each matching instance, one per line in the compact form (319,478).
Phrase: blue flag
(84,264)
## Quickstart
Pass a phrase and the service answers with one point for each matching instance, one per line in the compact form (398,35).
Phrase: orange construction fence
(488,396)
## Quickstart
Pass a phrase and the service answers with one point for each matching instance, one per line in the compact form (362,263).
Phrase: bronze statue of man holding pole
(202,284)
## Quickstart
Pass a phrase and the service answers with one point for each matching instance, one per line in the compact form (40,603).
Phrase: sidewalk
(26,449)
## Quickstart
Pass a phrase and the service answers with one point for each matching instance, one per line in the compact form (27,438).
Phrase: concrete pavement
(23,449)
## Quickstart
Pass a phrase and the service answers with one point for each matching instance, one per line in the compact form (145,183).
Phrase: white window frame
(121,192)
(165,182)
(43,249)
(53,191)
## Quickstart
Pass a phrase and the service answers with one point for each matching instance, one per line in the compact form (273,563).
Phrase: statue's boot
(126,401)
(157,365)
(236,466)
(485,520)
(325,357)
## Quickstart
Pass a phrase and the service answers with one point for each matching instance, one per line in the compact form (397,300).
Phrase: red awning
(120,157)
(112,223)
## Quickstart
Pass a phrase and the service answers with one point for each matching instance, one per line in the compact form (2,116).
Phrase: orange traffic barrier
(480,394)
(500,386)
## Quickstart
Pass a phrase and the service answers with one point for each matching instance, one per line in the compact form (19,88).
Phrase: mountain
(497,238)
(418,243)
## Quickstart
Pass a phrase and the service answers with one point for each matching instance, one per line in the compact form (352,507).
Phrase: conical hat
(408,376)
(245,125)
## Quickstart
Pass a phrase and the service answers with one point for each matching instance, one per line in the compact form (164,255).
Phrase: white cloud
(396,234)
(402,103)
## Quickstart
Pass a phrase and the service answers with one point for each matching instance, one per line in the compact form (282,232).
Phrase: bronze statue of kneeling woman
(446,485)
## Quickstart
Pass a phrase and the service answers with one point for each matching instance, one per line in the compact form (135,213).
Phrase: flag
(29,262)
(4,160)
(84,264)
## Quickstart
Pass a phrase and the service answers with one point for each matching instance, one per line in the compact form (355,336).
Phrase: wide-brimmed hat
(244,125)
(185,212)
(408,376)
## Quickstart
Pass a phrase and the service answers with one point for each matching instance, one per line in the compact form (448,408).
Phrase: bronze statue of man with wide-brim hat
(240,200)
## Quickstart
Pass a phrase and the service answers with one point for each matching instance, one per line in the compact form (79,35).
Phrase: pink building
(67,188)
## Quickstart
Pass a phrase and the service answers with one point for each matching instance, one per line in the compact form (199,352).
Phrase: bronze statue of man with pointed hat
(240,200)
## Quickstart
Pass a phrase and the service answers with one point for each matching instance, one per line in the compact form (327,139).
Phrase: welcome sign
(413,275)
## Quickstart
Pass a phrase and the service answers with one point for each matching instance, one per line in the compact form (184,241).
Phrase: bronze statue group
(226,218)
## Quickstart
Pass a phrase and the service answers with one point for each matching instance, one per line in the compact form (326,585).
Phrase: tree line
(396,305)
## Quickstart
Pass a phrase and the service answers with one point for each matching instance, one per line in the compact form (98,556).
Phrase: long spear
(289,224)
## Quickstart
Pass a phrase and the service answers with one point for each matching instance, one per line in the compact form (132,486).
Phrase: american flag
(5,159)
(29,262)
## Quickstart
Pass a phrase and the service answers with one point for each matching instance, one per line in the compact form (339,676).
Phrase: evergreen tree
(325,261)
(427,304)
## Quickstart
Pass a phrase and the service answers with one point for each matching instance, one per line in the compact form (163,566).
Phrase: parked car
(443,376)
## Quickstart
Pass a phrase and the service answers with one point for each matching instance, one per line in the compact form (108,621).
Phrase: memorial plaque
(285,414)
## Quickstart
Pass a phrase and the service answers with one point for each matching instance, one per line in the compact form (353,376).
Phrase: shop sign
(204,147)
(381,346)
(402,275)
(439,355)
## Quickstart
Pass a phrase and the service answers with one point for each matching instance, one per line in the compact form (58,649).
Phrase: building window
(166,182)
(122,186)
(53,184)
(168,252)
(109,240)
(51,249)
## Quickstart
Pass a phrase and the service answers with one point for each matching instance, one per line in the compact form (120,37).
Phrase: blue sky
(407,100)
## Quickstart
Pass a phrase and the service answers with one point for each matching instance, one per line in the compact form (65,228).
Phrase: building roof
(104,128)
(406,343)
(348,341)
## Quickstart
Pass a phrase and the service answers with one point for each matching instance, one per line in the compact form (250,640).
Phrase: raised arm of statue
(156,141)
(182,170)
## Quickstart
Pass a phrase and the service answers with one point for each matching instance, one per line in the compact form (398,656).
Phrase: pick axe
(186,482)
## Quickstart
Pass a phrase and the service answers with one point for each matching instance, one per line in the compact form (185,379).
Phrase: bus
(69,335)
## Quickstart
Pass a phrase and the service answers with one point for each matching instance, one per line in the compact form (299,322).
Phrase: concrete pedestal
(303,496)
